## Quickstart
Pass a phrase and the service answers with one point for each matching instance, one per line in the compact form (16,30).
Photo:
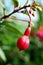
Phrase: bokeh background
(11,30)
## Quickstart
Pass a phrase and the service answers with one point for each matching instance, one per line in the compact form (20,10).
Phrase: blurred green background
(11,30)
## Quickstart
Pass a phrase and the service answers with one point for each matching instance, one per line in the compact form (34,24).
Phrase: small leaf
(1,8)
(2,55)
(15,3)
(1,4)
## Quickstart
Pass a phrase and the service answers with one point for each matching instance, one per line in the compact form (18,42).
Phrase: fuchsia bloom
(28,31)
(23,42)
(40,33)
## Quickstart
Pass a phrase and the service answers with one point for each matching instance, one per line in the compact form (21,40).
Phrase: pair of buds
(23,42)
(31,12)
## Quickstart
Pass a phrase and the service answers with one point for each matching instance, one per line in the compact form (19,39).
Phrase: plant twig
(16,10)
(29,22)
(19,19)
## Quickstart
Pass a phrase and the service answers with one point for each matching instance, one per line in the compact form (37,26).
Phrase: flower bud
(28,31)
(31,12)
(23,42)
(40,33)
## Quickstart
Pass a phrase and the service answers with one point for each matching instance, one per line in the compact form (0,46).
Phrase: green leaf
(1,8)
(15,3)
(2,55)
(1,4)
(16,25)
(11,30)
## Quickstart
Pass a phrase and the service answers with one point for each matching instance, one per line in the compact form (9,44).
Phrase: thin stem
(28,15)
(29,22)
(16,10)
(18,19)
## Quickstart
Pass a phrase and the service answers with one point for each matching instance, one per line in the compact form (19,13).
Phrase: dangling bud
(28,31)
(23,42)
(31,12)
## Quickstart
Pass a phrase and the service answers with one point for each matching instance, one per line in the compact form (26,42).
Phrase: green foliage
(10,31)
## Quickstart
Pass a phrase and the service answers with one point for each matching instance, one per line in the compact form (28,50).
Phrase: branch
(16,10)
(19,19)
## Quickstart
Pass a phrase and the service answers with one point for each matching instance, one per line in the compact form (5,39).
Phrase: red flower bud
(40,33)
(23,43)
(28,31)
